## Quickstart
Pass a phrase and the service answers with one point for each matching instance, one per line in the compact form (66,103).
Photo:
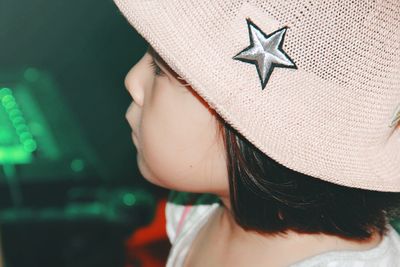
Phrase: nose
(134,88)
(135,81)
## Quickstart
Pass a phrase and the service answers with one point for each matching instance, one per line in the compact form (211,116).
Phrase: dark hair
(270,198)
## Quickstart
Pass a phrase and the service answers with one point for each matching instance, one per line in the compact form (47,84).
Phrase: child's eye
(156,69)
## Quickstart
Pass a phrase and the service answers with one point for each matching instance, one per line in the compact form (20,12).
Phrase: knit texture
(329,118)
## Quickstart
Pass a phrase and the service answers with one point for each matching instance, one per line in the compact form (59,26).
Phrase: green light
(4,92)
(14,113)
(30,145)
(10,105)
(14,154)
(129,199)
(21,129)
(77,165)
(17,121)
(5,136)
(31,74)
(25,137)
(7,98)
(76,210)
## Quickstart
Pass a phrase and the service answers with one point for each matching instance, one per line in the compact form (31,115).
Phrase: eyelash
(156,69)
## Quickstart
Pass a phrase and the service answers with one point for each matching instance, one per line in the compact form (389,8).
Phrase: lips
(134,138)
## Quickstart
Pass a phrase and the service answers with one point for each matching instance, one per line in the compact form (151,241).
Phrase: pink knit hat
(315,85)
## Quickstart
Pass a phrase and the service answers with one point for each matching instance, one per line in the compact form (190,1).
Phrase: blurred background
(70,190)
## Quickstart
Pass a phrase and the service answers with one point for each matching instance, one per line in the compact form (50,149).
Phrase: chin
(147,175)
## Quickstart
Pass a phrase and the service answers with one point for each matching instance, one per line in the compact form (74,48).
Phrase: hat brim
(326,138)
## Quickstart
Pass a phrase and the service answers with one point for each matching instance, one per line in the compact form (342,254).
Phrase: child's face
(174,130)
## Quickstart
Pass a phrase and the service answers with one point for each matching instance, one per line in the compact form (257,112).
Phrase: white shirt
(184,222)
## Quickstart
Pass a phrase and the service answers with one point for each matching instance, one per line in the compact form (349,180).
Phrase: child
(288,112)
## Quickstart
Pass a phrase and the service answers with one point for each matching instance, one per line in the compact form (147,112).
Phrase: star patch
(396,116)
(265,51)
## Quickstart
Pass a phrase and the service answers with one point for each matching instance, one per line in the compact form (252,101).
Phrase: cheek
(180,149)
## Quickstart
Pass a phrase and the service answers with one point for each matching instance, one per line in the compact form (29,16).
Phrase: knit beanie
(315,85)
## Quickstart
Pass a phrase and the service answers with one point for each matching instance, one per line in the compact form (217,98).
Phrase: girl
(288,112)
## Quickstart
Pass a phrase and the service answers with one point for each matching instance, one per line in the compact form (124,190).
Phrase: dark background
(86,47)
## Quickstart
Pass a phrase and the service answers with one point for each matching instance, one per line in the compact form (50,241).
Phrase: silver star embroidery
(265,51)
(396,116)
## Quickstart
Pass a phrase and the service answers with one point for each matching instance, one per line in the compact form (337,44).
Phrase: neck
(296,246)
